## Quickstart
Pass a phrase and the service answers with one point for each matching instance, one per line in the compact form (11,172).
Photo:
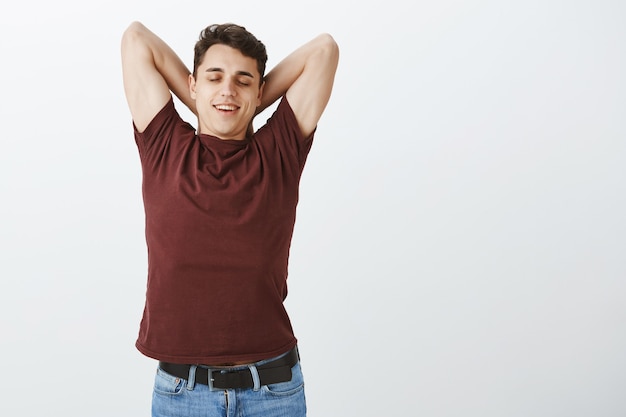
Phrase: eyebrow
(217,69)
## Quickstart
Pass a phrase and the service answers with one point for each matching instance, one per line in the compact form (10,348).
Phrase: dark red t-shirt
(219,220)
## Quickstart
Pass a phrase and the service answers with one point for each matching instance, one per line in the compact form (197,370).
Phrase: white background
(460,248)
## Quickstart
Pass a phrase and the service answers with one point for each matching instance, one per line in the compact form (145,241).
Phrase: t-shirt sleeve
(283,130)
(157,136)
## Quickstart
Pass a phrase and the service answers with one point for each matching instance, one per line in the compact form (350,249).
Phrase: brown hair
(234,36)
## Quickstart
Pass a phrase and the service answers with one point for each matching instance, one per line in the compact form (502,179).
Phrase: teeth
(225,107)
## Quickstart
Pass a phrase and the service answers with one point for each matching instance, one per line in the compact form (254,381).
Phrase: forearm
(278,80)
(286,72)
(306,78)
(168,64)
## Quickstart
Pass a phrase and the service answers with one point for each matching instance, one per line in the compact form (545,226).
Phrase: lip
(226,107)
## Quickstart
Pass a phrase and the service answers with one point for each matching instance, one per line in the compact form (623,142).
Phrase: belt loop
(255,377)
(210,380)
(191,381)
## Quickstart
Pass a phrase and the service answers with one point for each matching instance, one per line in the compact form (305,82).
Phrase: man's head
(236,37)
(227,80)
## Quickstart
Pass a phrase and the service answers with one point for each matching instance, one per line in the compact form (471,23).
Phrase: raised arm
(306,76)
(151,69)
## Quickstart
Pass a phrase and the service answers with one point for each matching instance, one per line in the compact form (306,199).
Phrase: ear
(260,95)
(191,81)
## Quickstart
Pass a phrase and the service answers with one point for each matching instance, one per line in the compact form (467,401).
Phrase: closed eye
(243,78)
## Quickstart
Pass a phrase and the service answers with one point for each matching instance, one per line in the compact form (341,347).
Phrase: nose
(228,87)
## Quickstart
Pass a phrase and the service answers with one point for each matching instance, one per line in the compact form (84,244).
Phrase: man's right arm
(151,69)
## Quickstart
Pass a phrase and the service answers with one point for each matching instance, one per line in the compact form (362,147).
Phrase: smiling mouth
(226,107)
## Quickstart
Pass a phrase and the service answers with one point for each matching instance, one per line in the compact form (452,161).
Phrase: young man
(220,207)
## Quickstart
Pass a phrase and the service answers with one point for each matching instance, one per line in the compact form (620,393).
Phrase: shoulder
(165,125)
(282,132)
(283,123)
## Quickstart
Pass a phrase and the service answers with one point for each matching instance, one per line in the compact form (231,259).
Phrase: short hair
(234,36)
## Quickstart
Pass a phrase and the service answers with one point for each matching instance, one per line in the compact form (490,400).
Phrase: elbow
(328,47)
(328,42)
(132,34)
(135,27)
(135,42)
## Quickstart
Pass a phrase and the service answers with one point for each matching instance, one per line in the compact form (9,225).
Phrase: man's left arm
(306,76)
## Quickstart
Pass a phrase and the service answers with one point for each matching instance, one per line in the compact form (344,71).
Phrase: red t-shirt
(219,220)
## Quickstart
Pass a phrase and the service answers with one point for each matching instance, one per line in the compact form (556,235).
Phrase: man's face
(227,92)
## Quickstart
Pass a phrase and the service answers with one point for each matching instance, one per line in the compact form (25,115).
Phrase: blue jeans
(176,397)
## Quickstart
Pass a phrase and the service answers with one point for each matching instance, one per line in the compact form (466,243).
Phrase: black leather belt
(273,372)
